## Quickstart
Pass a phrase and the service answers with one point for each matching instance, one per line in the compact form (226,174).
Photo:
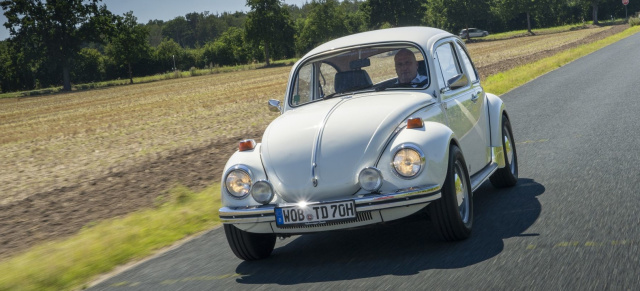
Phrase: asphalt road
(572,222)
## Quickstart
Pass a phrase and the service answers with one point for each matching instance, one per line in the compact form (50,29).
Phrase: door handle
(475,96)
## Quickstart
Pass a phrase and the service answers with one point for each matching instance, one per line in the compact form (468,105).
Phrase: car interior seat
(351,80)
(422,68)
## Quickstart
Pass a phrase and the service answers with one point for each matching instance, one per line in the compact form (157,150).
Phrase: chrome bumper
(368,202)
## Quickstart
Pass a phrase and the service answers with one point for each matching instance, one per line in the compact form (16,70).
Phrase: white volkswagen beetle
(374,127)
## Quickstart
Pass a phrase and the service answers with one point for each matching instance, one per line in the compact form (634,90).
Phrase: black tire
(249,246)
(507,176)
(452,215)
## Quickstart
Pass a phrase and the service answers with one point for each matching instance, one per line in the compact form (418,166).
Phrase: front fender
(496,108)
(434,140)
(252,160)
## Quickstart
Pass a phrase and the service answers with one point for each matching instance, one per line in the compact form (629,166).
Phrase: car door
(477,107)
(464,103)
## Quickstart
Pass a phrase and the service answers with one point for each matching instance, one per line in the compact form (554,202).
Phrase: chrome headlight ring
(238,181)
(262,192)
(370,179)
(408,161)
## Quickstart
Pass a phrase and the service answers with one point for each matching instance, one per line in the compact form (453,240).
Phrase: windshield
(358,70)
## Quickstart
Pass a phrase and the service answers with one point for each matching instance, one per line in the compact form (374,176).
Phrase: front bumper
(365,204)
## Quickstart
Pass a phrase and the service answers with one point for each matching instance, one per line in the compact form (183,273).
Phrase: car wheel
(485,34)
(249,246)
(507,176)
(452,215)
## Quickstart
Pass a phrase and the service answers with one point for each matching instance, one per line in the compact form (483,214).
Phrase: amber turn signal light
(247,145)
(415,123)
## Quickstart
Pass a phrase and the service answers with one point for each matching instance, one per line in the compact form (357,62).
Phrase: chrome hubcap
(508,148)
(462,193)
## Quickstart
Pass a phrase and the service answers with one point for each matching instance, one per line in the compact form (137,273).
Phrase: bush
(88,66)
(634,21)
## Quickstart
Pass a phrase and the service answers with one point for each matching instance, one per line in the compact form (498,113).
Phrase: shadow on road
(400,249)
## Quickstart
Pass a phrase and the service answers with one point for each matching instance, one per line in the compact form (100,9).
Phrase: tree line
(56,43)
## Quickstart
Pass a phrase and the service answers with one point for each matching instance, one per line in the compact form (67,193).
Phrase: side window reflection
(302,88)
(467,63)
(447,61)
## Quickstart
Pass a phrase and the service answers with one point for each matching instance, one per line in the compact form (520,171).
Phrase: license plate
(316,213)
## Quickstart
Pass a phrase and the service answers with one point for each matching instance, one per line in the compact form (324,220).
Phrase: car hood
(344,134)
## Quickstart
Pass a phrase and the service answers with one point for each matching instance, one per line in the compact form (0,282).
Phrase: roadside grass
(524,32)
(71,263)
(542,31)
(493,53)
(506,81)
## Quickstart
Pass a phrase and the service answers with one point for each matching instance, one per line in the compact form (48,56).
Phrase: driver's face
(406,67)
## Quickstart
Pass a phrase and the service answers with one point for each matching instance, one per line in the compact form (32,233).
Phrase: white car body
(314,152)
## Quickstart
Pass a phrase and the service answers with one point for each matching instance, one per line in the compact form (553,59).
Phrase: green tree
(396,13)
(269,26)
(436,12)
(89,66)
(594,6)
(15,68)
(511,8)
(356,19)
(178,29)
(235,19)
(5,67)
(325,21)
(53,30)
(169,53)
(155,33)
(129,42)
(228,49)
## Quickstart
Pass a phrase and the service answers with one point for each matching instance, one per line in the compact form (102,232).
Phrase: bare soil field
(68,160)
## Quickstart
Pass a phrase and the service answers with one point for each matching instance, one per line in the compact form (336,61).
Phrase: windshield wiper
(348,91)
(333,95)
(403,85)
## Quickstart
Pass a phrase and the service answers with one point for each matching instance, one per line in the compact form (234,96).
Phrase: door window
(448,64)
(302,92)
(471,71)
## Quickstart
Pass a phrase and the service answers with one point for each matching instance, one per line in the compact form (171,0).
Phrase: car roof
(424,36)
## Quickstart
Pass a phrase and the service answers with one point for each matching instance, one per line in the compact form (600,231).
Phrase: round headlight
(262,192)
(408,161)
(238,182)
(370,179)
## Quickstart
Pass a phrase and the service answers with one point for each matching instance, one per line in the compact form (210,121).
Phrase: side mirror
(274,105)
(458,82)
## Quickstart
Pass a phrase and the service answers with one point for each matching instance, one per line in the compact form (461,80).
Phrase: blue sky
(146,10)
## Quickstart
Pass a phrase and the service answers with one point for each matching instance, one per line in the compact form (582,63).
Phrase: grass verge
(543,31)
(519,33)
(505,81)
(71,263)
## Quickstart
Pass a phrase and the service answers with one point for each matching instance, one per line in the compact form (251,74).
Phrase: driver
(407,68)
